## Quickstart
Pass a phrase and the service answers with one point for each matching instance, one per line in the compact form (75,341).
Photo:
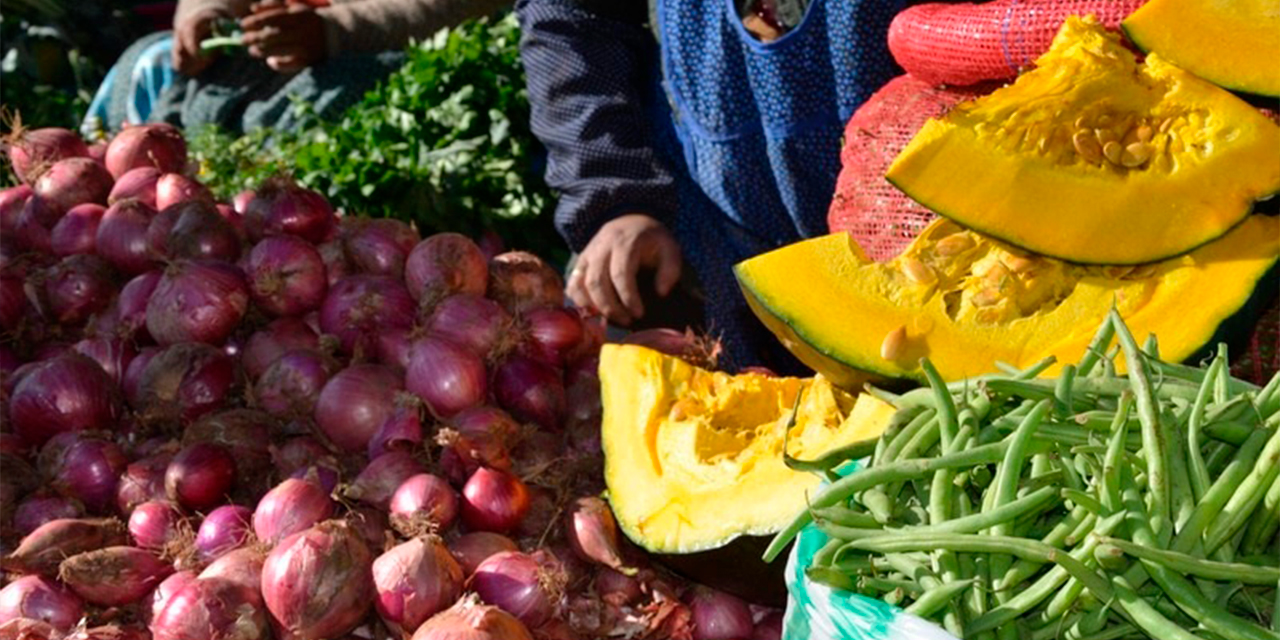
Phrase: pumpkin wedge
(1232,44)
(968,302)
(1095,158)
(693,458)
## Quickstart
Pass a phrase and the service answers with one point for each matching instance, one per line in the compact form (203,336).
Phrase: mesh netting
(963,44)
(883,220)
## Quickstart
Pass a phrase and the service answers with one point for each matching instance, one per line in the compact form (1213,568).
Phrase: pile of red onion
(266,419)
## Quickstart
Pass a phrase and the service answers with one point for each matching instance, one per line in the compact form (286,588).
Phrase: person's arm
(378,25)
(586,68)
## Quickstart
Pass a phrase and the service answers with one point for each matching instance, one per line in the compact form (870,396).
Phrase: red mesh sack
(963,44)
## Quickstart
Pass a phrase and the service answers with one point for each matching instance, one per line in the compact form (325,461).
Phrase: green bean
(1154,437)
(1264,523)
(1006,484)
(1097,347)
(1115,454)
(1200,479)
(1195,375)
(1085,500)
(1250,492)
(1238,409)
(1182,563)
(832,578)
(1062,392)
(1146,616)
(878,504)
(1269,396)
(1234,433)
(909,587)
(899,421)
(1042,389)
(899,471)
(1023,569)
(934,599)
(1219,454)
(895,444)
(846,517)
(1181,493)
(827,553)
(1220,391)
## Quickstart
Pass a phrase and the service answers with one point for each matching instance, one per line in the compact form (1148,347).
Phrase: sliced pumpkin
(968,302)
(1232,44)
(1095,158)
(693,458)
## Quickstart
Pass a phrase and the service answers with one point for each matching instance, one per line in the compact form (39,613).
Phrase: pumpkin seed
(1113,152)
(1087,146)
(1020,264)
(1136,155)
(1104,120)
(1116,272)
(996,274)
(894,343)
(987,297)
(1141,272)
(955,244)
(1144,133)
(1105,136)
(1081,123)
(917,271)
(1165,124)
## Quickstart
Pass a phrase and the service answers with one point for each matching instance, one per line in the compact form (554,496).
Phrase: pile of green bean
(1092,506)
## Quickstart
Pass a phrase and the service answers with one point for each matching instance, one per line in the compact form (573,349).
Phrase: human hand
(187,35)
(290,36)
(604,277)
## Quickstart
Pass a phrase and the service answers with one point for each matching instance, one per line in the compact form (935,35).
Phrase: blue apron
(758,128)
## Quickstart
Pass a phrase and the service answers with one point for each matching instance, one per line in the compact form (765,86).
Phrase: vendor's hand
(604,277)
(187,35)
(289,36)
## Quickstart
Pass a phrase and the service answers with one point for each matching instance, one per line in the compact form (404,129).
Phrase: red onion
(540,518)
(200,476)
(78,287)
(402,430)
(583,407)
(318,583)
(154,525)
(415,580)
(73,181)
(173,188)
(240,202)
(593,533)
(122,236)
(31,229)
(142,481)
(43,549)
(719,616)
(423,504)
(86,468)
(77,231)
(139,184)
(67,393)
(37,510)
(245,435)
(98,151)
(769,627)
(355,403)
(212,608)
(281,207)
(553,334)
(372,525)
(241,566)
(688,346)
(28,629)
(198,232)
(13,302)
(232,217)
(292,506)
(168,587)
(274,340)
(12,201)
(223,530)
(379,480)
(448,377)
(445,264)
(33,150)
(131,306)
(531,391)
(494,500)
(476,437)
(290,387)
(467,619)
(471,549)
(616,588)
(521,281)
(36,598)
(299,453)
(146,145)
(378,246)
(183,382)
(491,244)
(286,276)
(197,301)
(529,587)
(394,346)
(114,576)
(472,321)
(324,475)
(334,256)
(358,307)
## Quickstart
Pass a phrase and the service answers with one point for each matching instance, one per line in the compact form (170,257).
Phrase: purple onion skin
(37,510)
(78,287)
(142,481)
(199,232)
(531,391)
(197,301)
(112,354)
(139,183)
(122,236)
(86,468)
(131,306)
(74,181)
(291,386)
(415,580)
(12,200)
(279,337)
(286,276)
(355,403)
(67,393)
(518,583)
(37,598)
(281,208)
(358,307)
(378,246)
(13,302)
(200,476)
(167,587)
(154,524)
(181,382)
(225,529)
(77,231)
(472,321)
(445,264)
(719,616)
(448,377)
(290,507)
